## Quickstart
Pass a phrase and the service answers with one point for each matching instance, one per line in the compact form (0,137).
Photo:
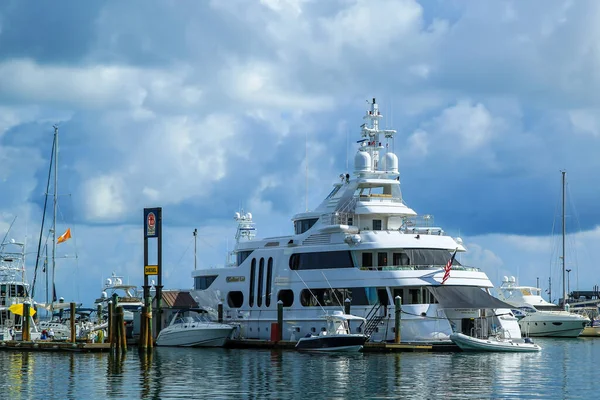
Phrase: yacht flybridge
(362,244)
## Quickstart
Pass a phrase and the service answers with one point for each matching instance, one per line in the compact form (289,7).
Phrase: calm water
(565,368)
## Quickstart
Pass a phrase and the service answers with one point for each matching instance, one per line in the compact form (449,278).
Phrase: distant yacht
(362,243)
(539,317)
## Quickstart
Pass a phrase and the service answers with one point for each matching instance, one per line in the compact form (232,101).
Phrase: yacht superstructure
(362,244)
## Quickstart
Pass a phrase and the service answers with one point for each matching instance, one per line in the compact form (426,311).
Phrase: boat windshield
(191,319)
(527,309)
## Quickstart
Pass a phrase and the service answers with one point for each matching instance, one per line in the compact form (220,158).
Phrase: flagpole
(55,204)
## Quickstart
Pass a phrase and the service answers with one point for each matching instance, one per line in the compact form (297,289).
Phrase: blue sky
(205,107)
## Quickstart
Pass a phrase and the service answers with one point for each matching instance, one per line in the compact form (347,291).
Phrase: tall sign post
(153,229)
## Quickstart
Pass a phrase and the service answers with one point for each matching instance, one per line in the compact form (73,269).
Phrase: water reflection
(563,369)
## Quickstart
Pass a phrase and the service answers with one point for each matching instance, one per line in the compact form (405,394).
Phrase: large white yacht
(362,244)
(539,317)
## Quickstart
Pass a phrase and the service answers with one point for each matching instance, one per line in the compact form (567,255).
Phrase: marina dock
(54,346)
(369,347)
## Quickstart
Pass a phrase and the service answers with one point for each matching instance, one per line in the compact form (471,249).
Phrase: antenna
(306,161)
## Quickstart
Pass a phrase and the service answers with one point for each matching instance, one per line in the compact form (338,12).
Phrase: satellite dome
(108,282)
(237,215)
(104,295)
(505,278)
(362,162)
(391,163)
(512,279)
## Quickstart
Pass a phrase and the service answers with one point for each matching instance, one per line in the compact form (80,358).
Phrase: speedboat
(195,330)
(539,317)
(494,343)
(336,336)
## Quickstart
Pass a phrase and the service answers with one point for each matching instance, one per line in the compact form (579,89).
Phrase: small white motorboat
(195,330)
(494,343)
(336,336)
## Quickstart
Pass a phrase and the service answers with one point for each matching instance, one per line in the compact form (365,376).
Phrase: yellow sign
(151,270)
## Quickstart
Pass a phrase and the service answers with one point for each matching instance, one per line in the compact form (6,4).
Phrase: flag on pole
(448,266)
(64,237)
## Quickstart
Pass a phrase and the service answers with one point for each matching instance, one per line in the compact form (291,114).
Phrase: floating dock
(54,346)
(369,347)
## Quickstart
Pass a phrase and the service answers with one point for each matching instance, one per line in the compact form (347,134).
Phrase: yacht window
(367,260)
(204,282)
(429,257)
(235,299)
(350,221)
(321,260)
(286,296)
(303,225)
(269,277)
(251,283)
(400,259)
(382,260)
(242,255)
(261,274)
(334,191)
(414,296)
(334,297)
(376,224)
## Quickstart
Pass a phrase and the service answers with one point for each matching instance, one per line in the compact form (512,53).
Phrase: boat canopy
(466,297)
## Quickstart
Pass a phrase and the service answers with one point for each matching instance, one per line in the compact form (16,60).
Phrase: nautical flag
(448,266)
(64,237)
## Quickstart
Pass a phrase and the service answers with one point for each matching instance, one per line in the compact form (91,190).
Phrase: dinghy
(494,343)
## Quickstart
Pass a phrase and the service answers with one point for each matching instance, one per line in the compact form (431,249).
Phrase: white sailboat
(56,307)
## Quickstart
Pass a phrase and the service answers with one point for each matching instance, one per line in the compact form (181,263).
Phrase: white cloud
(586,120)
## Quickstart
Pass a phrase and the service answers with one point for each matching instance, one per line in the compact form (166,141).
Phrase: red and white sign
(151,225)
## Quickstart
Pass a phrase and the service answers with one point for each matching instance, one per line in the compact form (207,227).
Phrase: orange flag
(64,237)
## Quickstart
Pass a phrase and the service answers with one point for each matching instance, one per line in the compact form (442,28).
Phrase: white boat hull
(469,343)
(569,327)
(195,337)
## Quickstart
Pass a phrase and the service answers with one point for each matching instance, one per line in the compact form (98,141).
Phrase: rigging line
(333,291)
(9,228)
(37,259)
(310,291)
(184,253)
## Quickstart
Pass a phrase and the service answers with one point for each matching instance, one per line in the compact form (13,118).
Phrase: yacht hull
(567,328)
(195,337)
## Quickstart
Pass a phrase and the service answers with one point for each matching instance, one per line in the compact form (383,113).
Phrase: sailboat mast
(55,204)
(564,231)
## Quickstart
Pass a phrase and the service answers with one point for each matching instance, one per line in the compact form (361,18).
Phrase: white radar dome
(391,163)
(505,279)
(512,279)
(362,162)
(108,282)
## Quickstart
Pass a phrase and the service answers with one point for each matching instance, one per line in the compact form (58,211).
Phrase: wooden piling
(116,330)
(110,324)
(25,323)
(398,309)
(123,333)
(143,342)
(100,337)
(72,321)
(149,335)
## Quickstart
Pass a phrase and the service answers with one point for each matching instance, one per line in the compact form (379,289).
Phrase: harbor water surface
(564,369)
